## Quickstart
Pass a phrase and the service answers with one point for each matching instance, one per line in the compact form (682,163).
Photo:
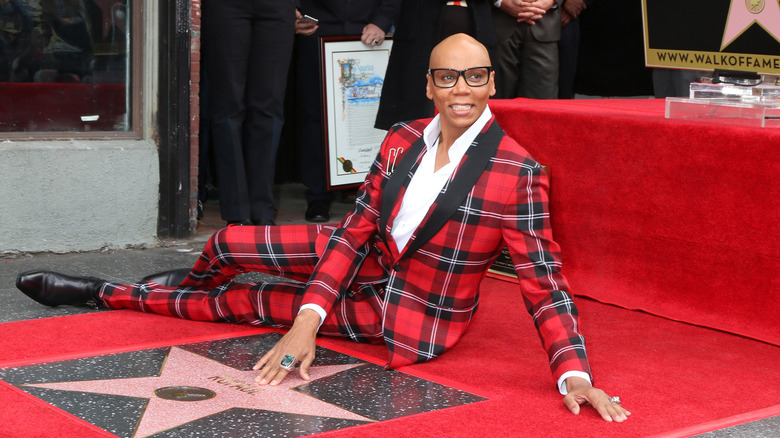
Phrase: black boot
(167,278)
(53,289)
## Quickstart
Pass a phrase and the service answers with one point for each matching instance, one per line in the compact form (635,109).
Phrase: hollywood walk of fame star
(211,387)
(742,15)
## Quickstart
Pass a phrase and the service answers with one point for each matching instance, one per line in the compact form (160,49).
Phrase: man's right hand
(300,342)
(575,7)
(305,28)
(571,10)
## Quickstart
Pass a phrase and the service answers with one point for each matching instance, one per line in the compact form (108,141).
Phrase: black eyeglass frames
(448,77)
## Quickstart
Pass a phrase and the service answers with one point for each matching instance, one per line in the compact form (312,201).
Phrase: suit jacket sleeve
(537,261)
(386,14)
(347,247)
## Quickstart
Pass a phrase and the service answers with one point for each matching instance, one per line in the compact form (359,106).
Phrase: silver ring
(615,400)
(375,42)
(288,361)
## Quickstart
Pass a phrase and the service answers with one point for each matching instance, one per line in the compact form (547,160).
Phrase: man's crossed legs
(209,293)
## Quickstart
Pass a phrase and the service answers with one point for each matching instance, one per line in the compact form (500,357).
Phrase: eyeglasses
(448,77)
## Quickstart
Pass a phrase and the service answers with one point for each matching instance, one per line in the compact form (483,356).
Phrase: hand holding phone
(308,19)
(305,25)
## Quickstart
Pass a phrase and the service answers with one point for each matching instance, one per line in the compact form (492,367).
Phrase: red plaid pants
(209,293)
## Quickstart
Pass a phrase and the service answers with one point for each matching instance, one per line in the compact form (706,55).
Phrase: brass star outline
(233,388)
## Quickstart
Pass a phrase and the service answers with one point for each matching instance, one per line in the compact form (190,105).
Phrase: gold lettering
(245,387)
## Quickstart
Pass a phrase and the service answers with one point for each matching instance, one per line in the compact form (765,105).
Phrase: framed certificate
(353,75)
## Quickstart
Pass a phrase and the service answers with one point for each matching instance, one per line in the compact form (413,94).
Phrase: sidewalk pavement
(123,266)
(130,265)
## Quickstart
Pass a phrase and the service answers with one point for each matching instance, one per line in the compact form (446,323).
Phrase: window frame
(136,131)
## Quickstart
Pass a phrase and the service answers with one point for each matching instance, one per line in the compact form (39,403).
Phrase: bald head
(459,48)
(460,82)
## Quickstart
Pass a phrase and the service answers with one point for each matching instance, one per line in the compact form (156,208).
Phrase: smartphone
(309,19)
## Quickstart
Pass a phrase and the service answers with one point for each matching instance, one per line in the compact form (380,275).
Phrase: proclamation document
(354,74)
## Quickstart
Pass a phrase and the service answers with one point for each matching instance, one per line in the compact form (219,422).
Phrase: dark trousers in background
(308,94)
(526,66)
(568,53)
(247,53)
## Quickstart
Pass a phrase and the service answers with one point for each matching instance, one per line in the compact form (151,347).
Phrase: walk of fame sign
(726,35)
(208,388)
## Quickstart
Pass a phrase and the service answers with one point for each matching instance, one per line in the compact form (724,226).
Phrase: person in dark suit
(528,34)
(569,45)
(443,197)
(371,20)
(421,25)
(247,54)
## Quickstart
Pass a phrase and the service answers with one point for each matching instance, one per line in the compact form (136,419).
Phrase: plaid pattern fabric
(209,293)
(419,302)
(432,287)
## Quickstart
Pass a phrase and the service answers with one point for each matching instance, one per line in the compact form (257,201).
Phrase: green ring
(287,361)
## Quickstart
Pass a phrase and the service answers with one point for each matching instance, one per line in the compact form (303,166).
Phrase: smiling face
(460,106)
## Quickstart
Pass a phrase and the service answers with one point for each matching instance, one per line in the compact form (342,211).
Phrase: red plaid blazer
(497,196)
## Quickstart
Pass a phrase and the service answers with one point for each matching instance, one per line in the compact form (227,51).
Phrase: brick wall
(194,108)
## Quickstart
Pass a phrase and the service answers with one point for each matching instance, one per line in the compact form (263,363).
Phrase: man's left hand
(581,392)
(372,35)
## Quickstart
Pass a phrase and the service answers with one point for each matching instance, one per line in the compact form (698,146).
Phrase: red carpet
(676,218)
(670,375)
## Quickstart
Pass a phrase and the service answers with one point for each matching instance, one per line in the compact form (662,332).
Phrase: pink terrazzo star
(232,388)
(741,17)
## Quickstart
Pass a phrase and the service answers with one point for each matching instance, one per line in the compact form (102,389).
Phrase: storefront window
(65,65)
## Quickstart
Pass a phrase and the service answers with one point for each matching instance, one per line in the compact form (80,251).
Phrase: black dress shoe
(265,222)
(167,278)
(318,211)
(53,289)
(241,222)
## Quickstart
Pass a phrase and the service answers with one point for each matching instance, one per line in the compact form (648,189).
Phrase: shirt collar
(432,131)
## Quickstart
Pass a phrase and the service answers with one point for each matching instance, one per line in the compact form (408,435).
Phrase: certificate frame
(352,78)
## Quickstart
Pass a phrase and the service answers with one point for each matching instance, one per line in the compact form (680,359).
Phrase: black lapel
(476,159)
(402,174)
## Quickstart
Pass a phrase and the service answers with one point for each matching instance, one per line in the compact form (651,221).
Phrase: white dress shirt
(426,184)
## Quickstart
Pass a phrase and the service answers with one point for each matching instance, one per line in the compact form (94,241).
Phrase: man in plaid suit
(404,267)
